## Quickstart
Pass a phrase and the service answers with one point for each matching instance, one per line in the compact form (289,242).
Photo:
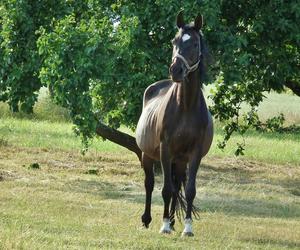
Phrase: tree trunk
(294,86)
(119,137)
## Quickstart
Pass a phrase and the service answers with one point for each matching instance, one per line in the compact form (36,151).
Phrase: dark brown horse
(176,127)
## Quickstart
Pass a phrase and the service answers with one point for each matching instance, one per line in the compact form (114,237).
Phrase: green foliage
(97,57)
(92,171)
(275,124)
(257,49)
(34,166)
(72,53)
(20,62)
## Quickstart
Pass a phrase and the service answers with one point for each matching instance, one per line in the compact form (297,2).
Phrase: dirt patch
(213,169)
(60,164)
(3,142)
(6,175)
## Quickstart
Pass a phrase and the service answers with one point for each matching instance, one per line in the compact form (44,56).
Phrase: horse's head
(186,48)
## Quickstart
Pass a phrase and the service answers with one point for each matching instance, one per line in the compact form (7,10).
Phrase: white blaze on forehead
(185,37)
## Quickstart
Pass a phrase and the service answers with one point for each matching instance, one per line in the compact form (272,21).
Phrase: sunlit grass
(277,148)
(273,105)
(95,201)
(44,134)
(243,204)
(276,103)
(50,127)
(44,110)
(280,148)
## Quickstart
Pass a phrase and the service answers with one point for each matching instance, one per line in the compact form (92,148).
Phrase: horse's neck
(190,91)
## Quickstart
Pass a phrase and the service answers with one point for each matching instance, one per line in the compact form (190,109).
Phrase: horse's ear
(180,20)
(198,22)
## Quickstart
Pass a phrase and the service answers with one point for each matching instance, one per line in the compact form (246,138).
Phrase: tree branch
(119,137)
(294,86)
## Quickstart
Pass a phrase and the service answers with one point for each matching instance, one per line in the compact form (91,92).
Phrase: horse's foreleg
(174,199)
(179,177)
(167,187)
(147,164)
(190,193)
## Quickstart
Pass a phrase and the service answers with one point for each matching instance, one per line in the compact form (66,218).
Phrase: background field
(95,201)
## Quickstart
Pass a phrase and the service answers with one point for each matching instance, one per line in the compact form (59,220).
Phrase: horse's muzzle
(177,71)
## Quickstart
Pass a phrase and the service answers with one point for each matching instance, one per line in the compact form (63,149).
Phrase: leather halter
(186,64)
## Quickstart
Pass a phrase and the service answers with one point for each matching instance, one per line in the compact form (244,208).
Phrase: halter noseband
(186,64)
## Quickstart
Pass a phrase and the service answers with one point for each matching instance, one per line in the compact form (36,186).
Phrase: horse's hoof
(164,231)
(187,234)
(146,220)
(145,225)
(188,231)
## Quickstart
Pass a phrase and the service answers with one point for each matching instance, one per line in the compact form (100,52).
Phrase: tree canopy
(97,57)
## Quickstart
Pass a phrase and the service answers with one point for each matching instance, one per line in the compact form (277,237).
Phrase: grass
(274,104)
(62,205)
(277,148)
(44,110)
(52,197)
(281,103)
(54,135)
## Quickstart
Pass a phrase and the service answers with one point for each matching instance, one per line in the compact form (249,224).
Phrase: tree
(256,44)
(20,60)
(97,57)
(19,64)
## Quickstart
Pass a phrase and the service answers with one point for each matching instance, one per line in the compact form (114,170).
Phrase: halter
(186,64)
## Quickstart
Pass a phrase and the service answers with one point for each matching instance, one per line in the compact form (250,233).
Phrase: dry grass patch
(243,204)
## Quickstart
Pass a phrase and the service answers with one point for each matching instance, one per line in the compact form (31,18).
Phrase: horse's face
(186,49)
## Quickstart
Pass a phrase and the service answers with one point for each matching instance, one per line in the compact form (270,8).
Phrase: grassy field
(52,197)
(274,104)
(59,135)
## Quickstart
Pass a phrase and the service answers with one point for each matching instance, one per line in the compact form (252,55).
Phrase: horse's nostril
(180,71)
(175,70)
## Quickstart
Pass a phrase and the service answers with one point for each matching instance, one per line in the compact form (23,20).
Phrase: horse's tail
(179,181)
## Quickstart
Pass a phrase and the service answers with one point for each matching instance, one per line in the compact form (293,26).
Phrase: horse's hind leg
(147,164)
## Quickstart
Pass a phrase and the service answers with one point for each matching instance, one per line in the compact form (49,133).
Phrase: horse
(176,128)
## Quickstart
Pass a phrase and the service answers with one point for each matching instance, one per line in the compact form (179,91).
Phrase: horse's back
(147,137)
(156,90)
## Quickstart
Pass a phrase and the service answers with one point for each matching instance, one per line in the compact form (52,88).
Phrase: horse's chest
(183,137)
(184,133)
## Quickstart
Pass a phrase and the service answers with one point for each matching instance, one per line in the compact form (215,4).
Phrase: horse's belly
(147,137)
(208,135)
